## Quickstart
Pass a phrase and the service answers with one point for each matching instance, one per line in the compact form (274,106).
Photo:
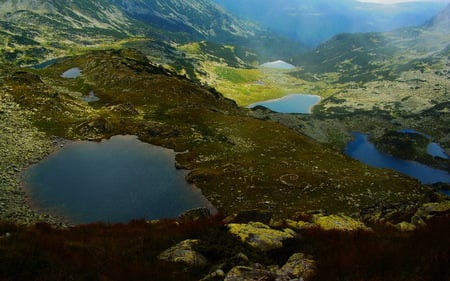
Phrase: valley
(178,76)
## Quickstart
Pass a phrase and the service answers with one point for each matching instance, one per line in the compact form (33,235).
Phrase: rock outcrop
(184,252)
(298,267)
(260,235)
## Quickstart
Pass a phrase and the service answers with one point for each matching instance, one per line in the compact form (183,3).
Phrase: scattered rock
(298,267)
(218,274)
(245,273)
(183,252)
(196,214)
(260,235)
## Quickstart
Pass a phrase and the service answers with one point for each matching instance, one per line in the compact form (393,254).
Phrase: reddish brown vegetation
(129,252)
(94,252)
(383,255)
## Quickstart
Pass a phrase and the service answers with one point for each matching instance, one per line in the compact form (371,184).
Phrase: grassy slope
(233,158)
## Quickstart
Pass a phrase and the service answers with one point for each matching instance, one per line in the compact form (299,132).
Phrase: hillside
(377,82)
(236,161)
(33,31)
(229,152)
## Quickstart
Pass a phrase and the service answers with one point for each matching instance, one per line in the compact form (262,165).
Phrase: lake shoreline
(53,185)
(285,104)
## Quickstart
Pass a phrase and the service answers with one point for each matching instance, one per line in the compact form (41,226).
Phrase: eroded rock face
(183,252)
(260,235)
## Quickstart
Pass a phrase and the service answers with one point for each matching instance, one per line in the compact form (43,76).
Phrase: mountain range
(313,22)
(379,55)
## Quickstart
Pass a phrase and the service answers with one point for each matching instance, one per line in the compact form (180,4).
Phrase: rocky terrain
(291,205)
(21,144)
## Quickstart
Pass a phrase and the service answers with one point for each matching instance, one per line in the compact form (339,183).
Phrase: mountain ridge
(37,30)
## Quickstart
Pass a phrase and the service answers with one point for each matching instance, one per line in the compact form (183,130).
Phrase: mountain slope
(34,30)
(201,19)
(380,82)
(365,57)
(235,159)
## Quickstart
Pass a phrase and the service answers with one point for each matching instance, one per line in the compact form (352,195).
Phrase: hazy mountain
(367,56)
(313,22)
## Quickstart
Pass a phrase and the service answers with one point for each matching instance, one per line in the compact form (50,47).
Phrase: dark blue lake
(295,103)
(115,180)
(363,150)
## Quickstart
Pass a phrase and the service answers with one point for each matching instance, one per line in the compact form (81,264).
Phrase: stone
(196,214)
(338,222)
(298,267)
(299,225)
(218,274)
(260,235)
(245,273)
(183,252)
(405,226)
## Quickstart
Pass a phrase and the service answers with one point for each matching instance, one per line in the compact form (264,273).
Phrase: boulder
(298,267)
(245,273)
(338,222)
(196,214)
(260,235)
(184,252)
(405,226)
(299,225)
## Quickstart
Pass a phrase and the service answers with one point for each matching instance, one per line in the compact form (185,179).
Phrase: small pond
(295,103)
(278,64)
(114,180)
(363,150)
(433,148)
(72,73)
(91,97)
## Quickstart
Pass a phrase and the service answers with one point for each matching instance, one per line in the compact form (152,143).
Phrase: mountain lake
(72,73)
(294,103)
(278,64)
(363,150)
(115,180)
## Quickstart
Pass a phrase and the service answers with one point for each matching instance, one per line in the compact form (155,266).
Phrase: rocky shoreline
(21,145)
